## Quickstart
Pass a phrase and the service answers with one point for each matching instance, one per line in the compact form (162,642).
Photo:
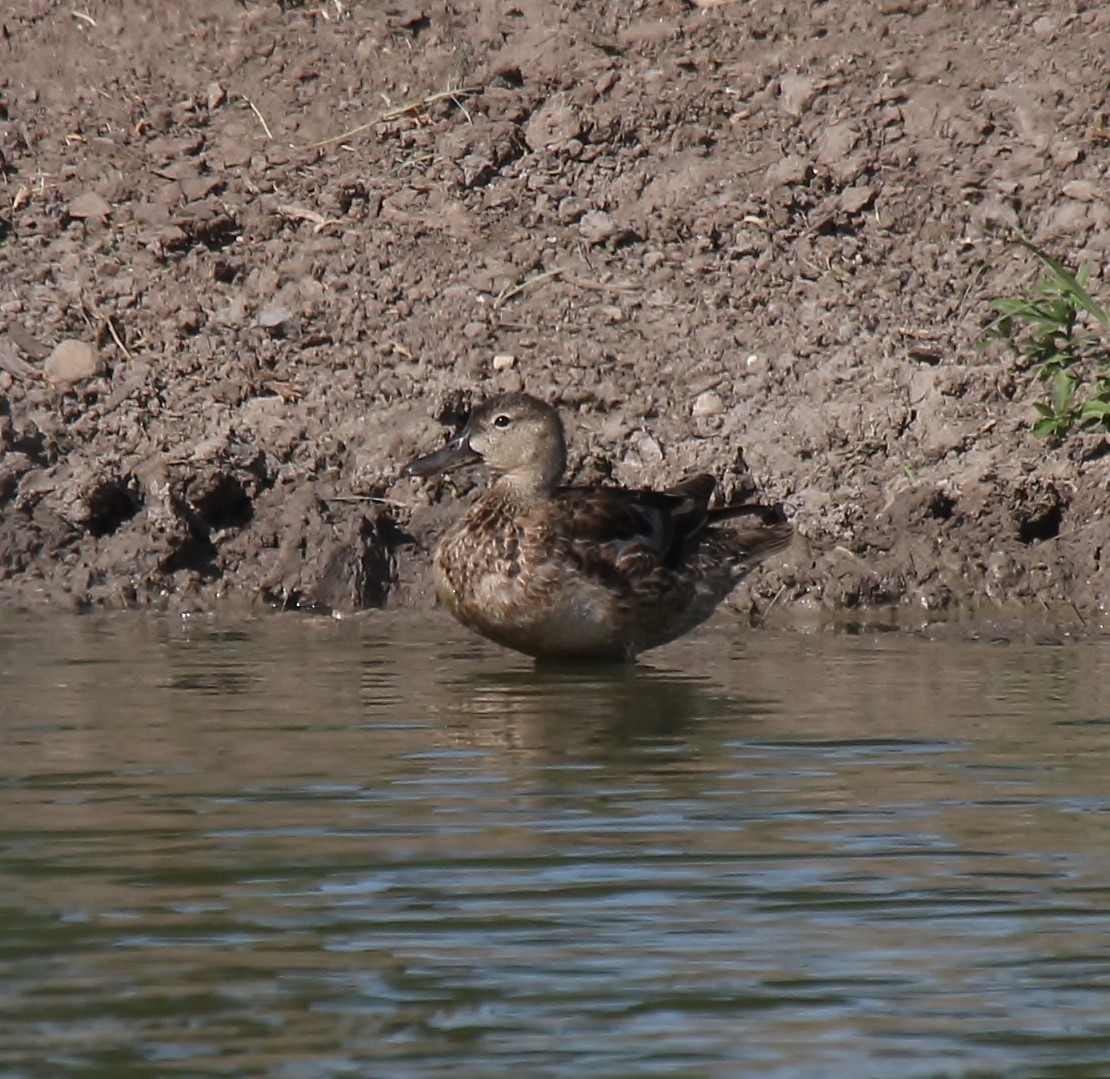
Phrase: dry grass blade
(427,102)
(457,95)
(261,118)
(93,314)
(507,294)
(300,213)
(600,286)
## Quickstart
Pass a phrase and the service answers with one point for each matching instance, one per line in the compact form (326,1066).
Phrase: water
(303,849)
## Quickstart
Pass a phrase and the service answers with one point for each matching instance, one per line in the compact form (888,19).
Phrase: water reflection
(557,709)
(310,849)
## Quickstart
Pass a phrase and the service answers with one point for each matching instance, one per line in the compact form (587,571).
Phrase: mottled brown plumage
(583,572)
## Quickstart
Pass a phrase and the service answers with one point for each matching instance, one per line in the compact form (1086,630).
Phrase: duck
(568,573)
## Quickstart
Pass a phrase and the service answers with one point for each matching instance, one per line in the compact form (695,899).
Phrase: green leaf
(1095,410)
(1063,391)
(1068,282)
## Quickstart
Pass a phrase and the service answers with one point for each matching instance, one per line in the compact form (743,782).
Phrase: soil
(253,254)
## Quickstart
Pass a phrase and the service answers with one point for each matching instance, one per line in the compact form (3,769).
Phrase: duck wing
(607,521)
(612,519)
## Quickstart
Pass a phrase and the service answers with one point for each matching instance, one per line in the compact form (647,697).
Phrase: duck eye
(501,421)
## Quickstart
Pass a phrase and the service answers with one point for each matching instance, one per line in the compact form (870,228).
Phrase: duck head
(517,437)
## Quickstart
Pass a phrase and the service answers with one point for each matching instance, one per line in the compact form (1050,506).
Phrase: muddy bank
(249,254)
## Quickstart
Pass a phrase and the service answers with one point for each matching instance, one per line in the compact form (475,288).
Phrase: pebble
(89,207)
(1080,190)
(72,361)
(274,315)
(854,199)
(646,448)
(836,141)
(503,361)
(796,91)
(596,227)
(788,170)
(708,404)
(555,123)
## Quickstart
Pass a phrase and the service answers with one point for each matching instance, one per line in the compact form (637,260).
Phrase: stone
(274,315)
(596,227)
(854,199)
(708,403)
(552,125)
(796,92)
(72,361)
(89,207)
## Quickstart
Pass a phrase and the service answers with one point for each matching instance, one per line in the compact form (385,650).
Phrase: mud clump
(242,282)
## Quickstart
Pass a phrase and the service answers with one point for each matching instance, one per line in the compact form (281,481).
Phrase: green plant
(1044,325)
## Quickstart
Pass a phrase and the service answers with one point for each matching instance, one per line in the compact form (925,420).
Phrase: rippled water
(307,849)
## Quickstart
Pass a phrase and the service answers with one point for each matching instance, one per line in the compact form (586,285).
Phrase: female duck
(582,572)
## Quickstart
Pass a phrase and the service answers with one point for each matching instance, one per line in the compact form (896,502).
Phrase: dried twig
(300,213)
(110,322)
(261,118)
(599,286)
(456,94)
(759,618)
(427,102)
(91,311)
(337,138)
(369,498)
(506,294)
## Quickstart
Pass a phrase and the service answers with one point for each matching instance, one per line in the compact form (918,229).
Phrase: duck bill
(456,454)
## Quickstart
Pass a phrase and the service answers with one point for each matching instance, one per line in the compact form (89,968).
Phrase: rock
(274,315)
(836,142)
(708,403)
(797,91)
(89,207)
(503,361)
(72,361)
(1080,190)
(787,171)
(199,187)
(596,227)
(854,199)
(232,314)
(552,125)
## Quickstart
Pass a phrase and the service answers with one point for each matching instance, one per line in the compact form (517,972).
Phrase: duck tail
(753,545)
(771,515)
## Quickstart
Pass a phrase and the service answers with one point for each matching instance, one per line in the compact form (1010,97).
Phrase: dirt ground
(251,255)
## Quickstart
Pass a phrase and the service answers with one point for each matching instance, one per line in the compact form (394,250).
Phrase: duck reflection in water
(577,711)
